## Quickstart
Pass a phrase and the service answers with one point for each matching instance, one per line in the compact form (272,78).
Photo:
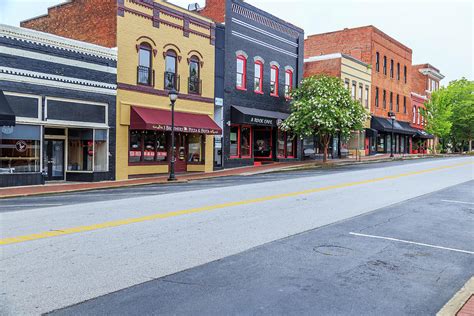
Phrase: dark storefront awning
(154,119)
(7,117)
(243,115)
(370,132)
(382,124)
(423,135)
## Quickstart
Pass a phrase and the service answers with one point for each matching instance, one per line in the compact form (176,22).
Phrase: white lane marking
(458,202)
(413,243)
(28,205)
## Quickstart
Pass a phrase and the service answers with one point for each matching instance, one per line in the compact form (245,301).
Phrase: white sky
(438,31)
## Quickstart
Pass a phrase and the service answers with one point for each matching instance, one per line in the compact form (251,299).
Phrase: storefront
(421,142)
(402,135)
(150,139)
(255,136)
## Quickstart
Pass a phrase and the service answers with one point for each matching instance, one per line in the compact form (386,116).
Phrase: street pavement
(54,256)
(325,271)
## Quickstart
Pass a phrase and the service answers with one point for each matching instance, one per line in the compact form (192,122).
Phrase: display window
(241,141)
(286,145)
(263,143)
(196,148)
(20,149)
(80,150)
(147,147)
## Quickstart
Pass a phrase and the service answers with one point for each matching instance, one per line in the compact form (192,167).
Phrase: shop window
(274,76)
(101,150)
(194,84)
(144,64)
(147,147)
(263,143)
(20,149)
(376,96)
(377,61)
(171,71)
(286,145)
(241,73)
(196,148)
(80,150)
(258,80)
(288,83)
(240,141)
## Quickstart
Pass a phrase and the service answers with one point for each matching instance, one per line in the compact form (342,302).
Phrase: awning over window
(382,124)
(244,115)
(160,120)
(370,132)
(424,135)
(7,117)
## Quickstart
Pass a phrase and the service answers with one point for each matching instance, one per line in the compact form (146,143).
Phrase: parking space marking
(28,205)
(458,202)
(413,243)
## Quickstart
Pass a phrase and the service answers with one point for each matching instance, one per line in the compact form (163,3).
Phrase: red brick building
(391,63)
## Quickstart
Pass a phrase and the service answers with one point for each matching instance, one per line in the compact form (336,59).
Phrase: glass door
(53,159)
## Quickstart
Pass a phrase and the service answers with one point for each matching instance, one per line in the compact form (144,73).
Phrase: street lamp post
(392,116)
(173,95)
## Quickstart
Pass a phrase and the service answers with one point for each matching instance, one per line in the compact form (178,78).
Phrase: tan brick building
(390,62)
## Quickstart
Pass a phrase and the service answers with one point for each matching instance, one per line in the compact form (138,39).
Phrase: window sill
(241,88)
(274,95)
(259,92)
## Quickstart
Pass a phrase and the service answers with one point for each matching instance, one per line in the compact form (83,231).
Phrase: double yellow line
(128,221)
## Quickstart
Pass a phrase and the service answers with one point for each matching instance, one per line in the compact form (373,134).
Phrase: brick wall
(331,67)
(363,43)
(93,21)
(419,82)
(215,10)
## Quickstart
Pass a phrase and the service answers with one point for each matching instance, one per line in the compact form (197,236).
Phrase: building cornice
(432,73)
(334,56)
(46,39)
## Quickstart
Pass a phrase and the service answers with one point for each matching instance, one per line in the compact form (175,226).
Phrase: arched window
(274,77)
(194,84)
(258,79)
(414,114)
(288,83)
(241,72)
(171,70)
(144,70)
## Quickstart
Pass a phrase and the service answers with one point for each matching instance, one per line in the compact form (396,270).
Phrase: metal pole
(173,152)
(391,142)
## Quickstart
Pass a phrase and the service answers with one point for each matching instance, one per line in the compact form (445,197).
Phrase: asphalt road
(56,256)
(326,271)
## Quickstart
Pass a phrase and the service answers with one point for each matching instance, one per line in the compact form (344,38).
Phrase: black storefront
(402,135)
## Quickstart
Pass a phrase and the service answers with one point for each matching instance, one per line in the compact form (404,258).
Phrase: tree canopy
(322,106)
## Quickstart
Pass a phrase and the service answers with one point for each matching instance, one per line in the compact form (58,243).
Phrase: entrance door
(53,159)
(262,148)
(180,164)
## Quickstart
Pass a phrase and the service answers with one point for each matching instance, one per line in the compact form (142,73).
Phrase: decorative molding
(173,47)
(260,59)
(261,43)
(274,63)
(289,68)
(259,30)
(147,38)
(54,41)
(58,60)
(162,93)
(241,53)
(195,52)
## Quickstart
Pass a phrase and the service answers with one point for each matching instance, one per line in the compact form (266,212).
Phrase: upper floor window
(384,99)
(258,79)
(347,84)
(361,94)
(391,68)
(405,104)
(171,70)
(194,84)
(274,81)
(398,103)
(398,71)
(377,61)
(391,101)
(366,97)
(288,83)
(376,97)
(241,72)
(405,74)
(414,114)
(385,65)
(418,119)
(144,65)
(354,90)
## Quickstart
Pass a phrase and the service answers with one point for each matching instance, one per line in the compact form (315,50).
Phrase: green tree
(322,106)
(462,130)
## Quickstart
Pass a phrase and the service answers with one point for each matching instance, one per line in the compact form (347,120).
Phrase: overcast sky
(438,31)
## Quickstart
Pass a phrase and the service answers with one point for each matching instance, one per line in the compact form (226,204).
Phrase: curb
(459,299)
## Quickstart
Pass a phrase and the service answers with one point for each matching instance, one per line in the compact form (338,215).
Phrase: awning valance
(370,132)
(155,119)
(382,124)
(7,116)
(424,135)
(251,116)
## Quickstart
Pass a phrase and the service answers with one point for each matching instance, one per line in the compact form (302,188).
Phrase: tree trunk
(470,145)
(325,139)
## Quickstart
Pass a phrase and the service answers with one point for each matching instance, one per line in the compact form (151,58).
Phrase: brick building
(391,62)
(259,59)
(161,47)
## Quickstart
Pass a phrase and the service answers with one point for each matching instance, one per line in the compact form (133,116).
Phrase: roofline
(48,9)
(334,56)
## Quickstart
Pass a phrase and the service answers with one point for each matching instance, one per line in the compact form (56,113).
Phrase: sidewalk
(65,187)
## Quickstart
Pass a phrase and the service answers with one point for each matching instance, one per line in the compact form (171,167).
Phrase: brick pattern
(419,82)
(92,21)
(363,43)
(215,10)
(468,308)
(330,67)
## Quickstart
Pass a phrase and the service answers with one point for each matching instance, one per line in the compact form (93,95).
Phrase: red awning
(160,120)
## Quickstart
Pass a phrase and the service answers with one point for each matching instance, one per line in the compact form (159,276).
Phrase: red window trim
(293,141)
(260,91)
(271,143)
(290,84)
(238,142)
(244,74)
(277,78)
(239,145)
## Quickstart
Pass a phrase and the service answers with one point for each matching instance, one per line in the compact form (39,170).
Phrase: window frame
(376,97)
(195,60)
(392,65)
(145,47)
(277,78)
(142,160)
(260,86)
(171,53)
(404,104)
(243,87)
(293,142)
(398,71)
(377,61)
(239,141)
(384,98)
(288,85)
(385,65)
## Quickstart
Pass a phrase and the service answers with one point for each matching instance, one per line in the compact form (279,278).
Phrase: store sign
(261,120)
(190,130)
(219,101)
(21,146)
(7,130)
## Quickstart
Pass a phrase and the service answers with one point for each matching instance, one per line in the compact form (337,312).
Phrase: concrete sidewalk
(65,187)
